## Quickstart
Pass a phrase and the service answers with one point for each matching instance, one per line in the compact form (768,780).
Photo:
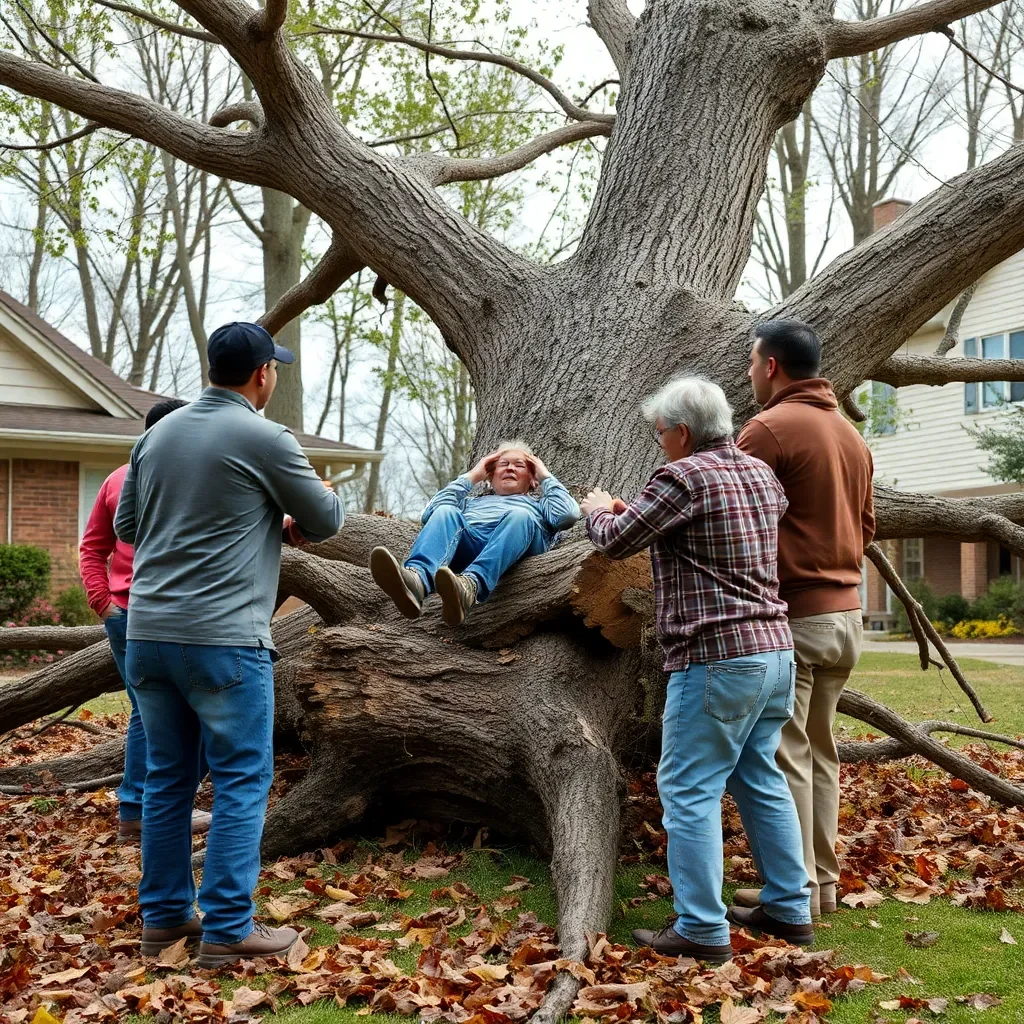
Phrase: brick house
(67,421)
(921,442)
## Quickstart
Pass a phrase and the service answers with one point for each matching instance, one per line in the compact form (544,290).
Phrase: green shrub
(1003,594)
(952,608)
(24,577)
(925,596)
(73,607)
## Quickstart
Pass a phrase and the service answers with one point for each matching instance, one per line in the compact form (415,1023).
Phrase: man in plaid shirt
(710,517)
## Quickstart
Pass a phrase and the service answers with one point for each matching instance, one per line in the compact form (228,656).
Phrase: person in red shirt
(105,564)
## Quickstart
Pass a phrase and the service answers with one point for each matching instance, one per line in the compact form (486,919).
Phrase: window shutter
(1017,352)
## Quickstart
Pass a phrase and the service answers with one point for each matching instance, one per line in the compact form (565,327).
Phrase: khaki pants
(826,648)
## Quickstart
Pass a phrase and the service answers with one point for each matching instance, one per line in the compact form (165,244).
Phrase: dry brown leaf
(864,898)
(1005,936)
(733,1014)
(518,884)
(920,894)
(980,1001)
(921,940)
(282,909)
(175,956)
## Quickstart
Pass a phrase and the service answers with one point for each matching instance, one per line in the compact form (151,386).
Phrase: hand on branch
(598,498)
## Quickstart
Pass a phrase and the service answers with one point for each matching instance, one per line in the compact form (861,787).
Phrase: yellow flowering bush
(983,629)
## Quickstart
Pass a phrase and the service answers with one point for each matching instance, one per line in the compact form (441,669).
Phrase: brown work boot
(669,942)
(759,921)
(261,941)
(751,898)
(131,831)
(457,593)
(403,586)
(155,940)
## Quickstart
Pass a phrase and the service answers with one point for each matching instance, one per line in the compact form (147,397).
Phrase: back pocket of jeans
(732,690)
(212,668)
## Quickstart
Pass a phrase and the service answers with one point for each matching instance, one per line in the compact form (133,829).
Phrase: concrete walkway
(1001,654)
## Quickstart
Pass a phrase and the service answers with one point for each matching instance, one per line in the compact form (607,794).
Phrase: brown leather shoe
(131,831)
(403,586)
(457,593)
(155,940)
(752,898)
(669,942)
(759,921)
(261,941)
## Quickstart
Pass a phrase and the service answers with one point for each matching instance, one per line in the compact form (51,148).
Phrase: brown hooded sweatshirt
(825,469)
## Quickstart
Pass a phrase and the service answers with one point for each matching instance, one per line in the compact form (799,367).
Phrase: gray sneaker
(457,593)
(403,586)
(261,941)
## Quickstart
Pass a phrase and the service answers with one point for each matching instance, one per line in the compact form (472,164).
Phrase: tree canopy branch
(272,18)
(851,38)
(163,23)
(571,109)
(221,152)
(44,147)
(879,293)
(336,266)
(902,371)
(247,111)
(614,24)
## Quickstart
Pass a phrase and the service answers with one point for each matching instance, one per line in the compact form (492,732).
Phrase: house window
(882,419)
(90,480)
(993,392)
(1017,352)
(913,558)
(970,390)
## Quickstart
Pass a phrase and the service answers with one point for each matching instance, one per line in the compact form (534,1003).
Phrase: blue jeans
(222,697)
(721,730)
(485,552)
(129,795)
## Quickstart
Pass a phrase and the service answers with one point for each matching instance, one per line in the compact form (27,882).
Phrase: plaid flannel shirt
(711,522)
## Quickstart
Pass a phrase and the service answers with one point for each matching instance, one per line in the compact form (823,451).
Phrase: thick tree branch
(271,19)
(850,38)
(902,371)
(874,297)
(163,23)
(221,152)
(51,638)
(906,514)
(571,109)
(250,111)
(614,23)
(336,266)
(441,169)
(956,316)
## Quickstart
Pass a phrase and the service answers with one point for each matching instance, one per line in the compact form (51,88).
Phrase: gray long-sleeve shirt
(203,502)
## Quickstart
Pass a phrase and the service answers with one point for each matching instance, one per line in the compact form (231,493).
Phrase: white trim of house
(55,439)
(79,380)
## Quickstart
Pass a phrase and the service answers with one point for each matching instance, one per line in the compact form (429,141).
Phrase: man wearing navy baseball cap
(203,502)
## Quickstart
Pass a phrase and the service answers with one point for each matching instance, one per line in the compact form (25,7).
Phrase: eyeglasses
(658,433)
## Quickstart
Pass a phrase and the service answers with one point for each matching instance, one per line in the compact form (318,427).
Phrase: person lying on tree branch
(467,544)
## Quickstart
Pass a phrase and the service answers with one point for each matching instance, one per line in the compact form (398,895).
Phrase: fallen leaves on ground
(905,832)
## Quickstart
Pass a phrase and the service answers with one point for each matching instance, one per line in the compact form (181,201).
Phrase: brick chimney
(887,210)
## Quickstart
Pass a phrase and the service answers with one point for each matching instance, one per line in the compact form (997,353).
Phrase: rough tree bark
(530,735)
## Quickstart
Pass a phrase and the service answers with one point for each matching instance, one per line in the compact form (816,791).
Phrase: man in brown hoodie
(825,469)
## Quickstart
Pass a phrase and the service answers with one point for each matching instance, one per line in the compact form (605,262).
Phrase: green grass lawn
(967,958)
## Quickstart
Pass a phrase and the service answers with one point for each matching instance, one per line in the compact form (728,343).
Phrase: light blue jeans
(720,731)
(484,552)
(222,697)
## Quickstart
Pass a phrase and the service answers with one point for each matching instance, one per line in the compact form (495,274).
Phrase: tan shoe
(261,941)
(403,586)
(751,898)
(155,940)
(747,898)
(457,593)
(131,831)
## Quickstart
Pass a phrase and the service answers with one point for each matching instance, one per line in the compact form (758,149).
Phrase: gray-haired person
(710,517)
(468,543)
